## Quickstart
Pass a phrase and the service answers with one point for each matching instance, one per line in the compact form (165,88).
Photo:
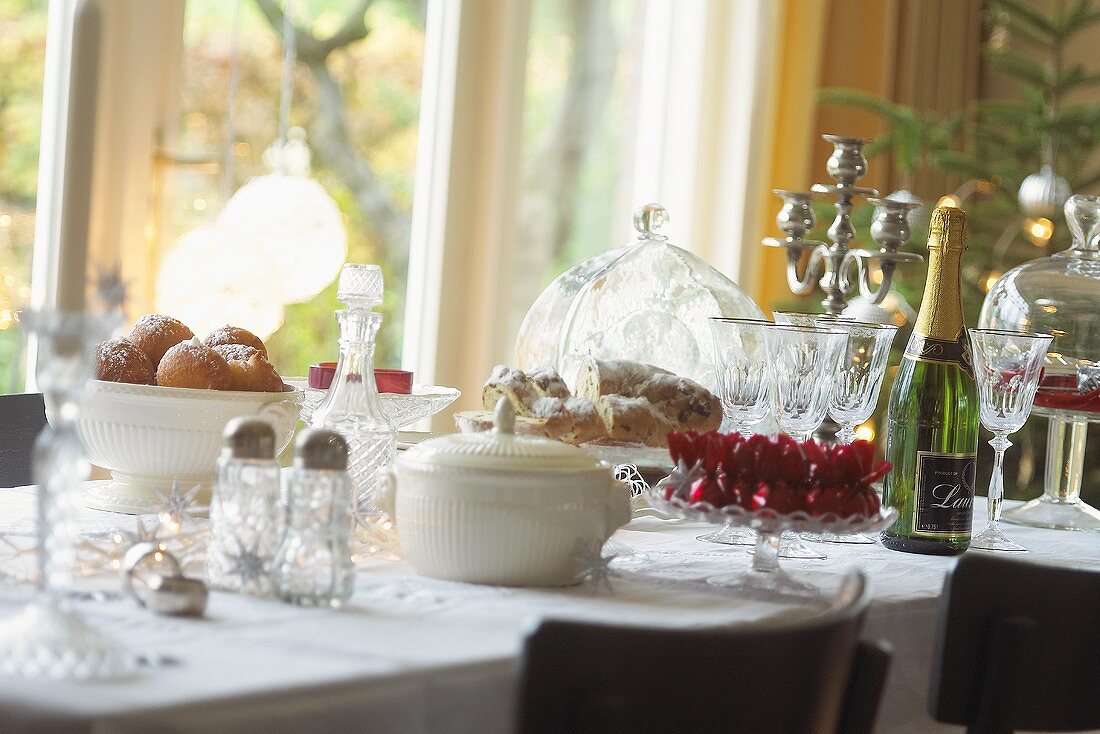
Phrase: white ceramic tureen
(497,508)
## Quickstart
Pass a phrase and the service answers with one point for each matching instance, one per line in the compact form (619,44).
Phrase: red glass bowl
(391,381)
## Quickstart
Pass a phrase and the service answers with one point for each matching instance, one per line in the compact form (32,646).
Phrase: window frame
(470,131)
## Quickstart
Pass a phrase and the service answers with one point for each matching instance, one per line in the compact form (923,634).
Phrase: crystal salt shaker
(352,407)
(313,566)
(246,513)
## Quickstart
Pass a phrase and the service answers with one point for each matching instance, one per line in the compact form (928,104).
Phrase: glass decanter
(1059,295)
(648,301)
(352,406)
(49,638)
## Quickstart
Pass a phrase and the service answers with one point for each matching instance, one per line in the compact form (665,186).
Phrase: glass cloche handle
(648,220)
(1083,216)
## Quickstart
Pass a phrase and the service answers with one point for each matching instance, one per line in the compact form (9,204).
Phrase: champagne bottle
(932,431)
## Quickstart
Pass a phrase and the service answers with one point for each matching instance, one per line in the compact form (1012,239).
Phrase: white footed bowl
(148,436)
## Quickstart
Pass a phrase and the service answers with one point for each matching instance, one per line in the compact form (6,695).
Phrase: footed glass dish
(648,301)
(423,402)
(765,574)
(1060,295)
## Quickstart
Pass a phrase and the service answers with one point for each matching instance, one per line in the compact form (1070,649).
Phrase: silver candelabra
(831,265)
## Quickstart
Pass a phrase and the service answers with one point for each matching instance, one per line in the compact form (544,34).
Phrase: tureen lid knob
(504,417)
(649,218)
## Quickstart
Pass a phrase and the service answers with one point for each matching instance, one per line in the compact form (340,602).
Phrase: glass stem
(846,434)
(800,436)
(1065,460)
(766,558)
(999,442)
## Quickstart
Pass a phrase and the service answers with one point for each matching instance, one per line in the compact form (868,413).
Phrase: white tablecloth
(417,655)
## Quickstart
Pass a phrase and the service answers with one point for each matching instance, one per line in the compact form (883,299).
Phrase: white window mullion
(466,187)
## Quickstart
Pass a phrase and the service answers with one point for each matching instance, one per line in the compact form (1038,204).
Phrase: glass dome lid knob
(648,220)
(1083,216)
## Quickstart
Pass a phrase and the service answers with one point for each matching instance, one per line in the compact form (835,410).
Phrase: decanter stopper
(360,285)
(648,220)
(1083,216)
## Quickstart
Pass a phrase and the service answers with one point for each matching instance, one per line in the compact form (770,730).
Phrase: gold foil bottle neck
(947,229)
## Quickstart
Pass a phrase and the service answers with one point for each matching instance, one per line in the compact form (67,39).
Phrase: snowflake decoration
(109,288)
(249,565)
(174,509)
(595,568)
(629,475)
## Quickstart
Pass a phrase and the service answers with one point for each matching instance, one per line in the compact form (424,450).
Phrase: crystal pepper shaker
(246,513)
(352,407)
(313,566)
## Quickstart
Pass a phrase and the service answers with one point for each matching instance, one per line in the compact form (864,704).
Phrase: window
(580,110)
(22,60)
(356,99)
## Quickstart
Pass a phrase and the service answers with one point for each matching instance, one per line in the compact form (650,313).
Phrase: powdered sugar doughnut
(235,335)
(119,360)
(195,365)
(154,333)
(251,372)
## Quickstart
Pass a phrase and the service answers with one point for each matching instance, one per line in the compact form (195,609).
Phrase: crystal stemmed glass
(1007,365)
(800,318)
(801,363)
(862,367)
(740,367)
(856,388)
(50,638)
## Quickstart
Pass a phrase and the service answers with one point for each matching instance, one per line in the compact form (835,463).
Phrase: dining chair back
(809,675)
(22,417)
(1017,647)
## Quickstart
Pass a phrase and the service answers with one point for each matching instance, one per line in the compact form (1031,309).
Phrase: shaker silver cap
(318,448)
(248,437)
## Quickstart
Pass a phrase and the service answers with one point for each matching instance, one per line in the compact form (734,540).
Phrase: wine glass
(862,367)
(50,638)
(801,318)
(1007,365)
(740,367)
(802,364)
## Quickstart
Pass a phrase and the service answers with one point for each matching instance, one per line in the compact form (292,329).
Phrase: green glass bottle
(932,431)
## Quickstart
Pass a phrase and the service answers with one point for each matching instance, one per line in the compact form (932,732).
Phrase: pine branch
(1083,14)
(1029,14)
(1019,66)
(961,164)
(895,114)
(1027,33)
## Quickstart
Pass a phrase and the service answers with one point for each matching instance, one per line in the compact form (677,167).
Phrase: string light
(866,431)
(950,200)
(5,220)
(991,279)
(1039,230)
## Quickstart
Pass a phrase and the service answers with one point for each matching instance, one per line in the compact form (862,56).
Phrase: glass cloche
(647,301)
(1060,295)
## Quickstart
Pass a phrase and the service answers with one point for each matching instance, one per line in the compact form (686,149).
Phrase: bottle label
(944,493)
(926,349)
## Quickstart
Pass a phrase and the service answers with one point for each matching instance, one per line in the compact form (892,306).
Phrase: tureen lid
(500,448)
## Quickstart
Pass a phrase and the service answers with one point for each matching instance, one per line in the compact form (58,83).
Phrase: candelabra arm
(888,263)
(801,285)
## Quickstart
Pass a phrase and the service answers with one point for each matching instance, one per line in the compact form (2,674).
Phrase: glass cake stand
(1060,295)
(766,574)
